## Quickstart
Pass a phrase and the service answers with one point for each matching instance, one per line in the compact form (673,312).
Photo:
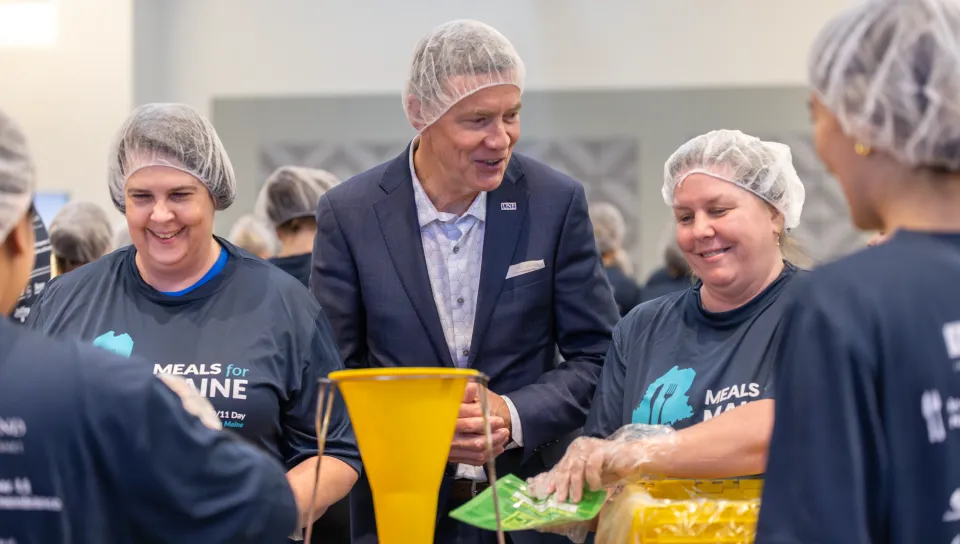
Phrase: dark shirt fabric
(674,363)
(626,292)
(96,449)
(297,266)
(661,283)
(40,275)
(251,339)
(866,444)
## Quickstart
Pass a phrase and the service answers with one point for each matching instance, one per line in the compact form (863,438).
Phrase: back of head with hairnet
(608,226)
(453,61)
(889,70)
(80,233)
(292,192)
(763,168)
(16,175)
(175,136)
(253,235)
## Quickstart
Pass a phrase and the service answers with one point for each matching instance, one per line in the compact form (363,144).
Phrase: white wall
(72,98)
(300,47)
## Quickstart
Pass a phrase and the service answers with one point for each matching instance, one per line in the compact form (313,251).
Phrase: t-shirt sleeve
(319,358)
(179,480)
(824,479)
(606,411)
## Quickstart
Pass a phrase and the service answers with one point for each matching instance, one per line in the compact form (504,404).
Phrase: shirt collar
(427,213)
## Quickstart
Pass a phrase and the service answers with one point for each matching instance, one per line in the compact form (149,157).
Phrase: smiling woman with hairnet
(699,360)
(94,448)
(866,446)
(247,336)
(79,234)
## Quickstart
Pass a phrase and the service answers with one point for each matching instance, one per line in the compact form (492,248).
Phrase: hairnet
(253,235)
(16,175)
(763,168)
(608,226)
(292,192)
(175,136)
(453,61)
(80,232)
(121,235)
(889,71)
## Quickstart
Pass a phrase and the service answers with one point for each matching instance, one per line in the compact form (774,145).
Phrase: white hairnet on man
(892,78)
(175,136)
(80,233)
(16,175)
(763,168)
(292,192)
(454,61)
(252,234)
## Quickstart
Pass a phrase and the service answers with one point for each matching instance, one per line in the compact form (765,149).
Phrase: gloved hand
(192,401)
(603,463)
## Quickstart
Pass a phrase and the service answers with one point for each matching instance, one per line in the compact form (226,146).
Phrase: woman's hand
(588,460)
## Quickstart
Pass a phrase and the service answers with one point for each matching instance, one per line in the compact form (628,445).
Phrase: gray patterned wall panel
(608,168)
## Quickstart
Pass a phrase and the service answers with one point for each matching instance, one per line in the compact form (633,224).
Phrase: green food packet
(520,511)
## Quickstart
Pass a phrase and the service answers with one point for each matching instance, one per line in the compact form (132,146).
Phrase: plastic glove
(599,463)
(192,402)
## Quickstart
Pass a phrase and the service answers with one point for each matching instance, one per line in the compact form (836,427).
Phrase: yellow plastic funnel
(404,420)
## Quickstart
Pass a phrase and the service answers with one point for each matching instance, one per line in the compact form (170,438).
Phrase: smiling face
(170,218)
(470,145)
(727,234)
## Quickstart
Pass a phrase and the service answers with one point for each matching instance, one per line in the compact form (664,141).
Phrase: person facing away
(461,253)
(253,235)
(288,200)
(96,449)
(245,334)
(700,360)
(80,233)
(675,273)
(866,446)
(608,230)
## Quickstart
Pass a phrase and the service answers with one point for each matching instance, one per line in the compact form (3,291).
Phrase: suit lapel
(397,213)
(506,210)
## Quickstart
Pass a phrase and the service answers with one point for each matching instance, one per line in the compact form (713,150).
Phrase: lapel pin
(508,206)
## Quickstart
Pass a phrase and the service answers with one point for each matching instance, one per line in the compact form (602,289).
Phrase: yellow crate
(683,512)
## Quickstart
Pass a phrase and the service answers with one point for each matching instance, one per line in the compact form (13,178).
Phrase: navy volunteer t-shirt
(866,444)
(95,449)
(674,363)
(40,274)
(250,339)
(297,266)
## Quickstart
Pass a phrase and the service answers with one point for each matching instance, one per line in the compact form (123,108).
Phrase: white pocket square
(520,269)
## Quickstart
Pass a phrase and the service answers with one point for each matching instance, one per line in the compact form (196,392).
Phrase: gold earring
(862,149)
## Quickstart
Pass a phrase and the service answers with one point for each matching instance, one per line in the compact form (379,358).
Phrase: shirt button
(460,300)
(456,249)
(466,352)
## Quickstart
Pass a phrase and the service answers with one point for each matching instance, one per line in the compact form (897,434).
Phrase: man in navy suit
(459,253)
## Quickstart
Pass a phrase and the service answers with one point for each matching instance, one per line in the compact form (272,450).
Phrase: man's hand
(469,441)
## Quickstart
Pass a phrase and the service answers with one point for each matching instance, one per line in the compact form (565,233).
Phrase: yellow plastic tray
(683,512)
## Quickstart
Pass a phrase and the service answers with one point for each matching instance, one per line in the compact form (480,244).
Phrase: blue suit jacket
(370,276)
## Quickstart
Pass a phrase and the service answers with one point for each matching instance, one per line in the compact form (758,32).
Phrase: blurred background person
(608,230)
(674,275)
(247,335)
(121,236)
(97,448)
(867,440)
(288,200)
(251,233)
(80,233)
(701,360)
(40,274)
